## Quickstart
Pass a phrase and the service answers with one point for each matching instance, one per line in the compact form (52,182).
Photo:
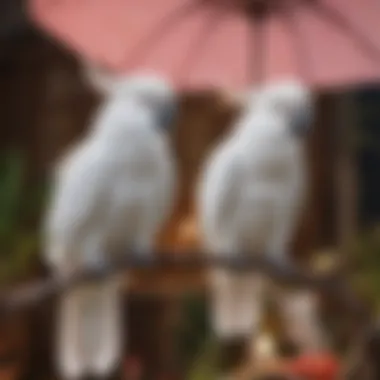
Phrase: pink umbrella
(224,43)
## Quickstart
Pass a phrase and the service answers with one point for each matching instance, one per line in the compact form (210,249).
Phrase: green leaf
(365,255)
(204,367)
(11,189)
(20,212)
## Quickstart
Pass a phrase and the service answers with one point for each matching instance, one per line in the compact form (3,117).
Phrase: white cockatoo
(111,195)
(251,193)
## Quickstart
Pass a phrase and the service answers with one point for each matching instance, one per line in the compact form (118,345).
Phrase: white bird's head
(292,102)
(151,91)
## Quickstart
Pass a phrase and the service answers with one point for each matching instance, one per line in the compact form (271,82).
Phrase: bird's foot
(143,255)
(97,268)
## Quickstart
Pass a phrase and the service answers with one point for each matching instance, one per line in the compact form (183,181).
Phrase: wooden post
(345,170)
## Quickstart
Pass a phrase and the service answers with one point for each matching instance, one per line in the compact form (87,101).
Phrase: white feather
(112,193)
(250,196)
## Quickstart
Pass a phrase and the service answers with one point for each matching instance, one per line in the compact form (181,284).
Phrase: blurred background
(45,106)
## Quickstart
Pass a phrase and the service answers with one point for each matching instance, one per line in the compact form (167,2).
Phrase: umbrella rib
(206,31)
(300,46)
(161,28)
(337,19)
(256,59)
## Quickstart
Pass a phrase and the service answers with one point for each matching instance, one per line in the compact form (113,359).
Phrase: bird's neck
(253,125)
(120,120)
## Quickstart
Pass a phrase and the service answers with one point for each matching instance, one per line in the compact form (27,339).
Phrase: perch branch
(329,285)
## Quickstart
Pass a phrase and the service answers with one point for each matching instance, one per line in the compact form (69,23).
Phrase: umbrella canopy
(223,43)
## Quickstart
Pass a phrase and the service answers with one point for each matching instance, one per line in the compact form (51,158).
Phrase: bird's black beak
(301,124)
(168,116)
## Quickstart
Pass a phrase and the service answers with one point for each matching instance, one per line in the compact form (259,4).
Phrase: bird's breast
(272,162)
(256,217)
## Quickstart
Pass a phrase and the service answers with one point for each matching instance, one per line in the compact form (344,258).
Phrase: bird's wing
(78,200)
(219,195)
(167,187)
(164,181)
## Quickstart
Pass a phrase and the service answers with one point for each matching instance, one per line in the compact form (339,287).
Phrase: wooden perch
(328,285)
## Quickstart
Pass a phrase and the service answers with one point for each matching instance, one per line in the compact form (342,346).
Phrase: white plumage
(250,196)
(111,195)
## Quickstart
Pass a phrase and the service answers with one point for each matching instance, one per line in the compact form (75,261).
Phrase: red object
(201,43)
(314,367)
(132,369)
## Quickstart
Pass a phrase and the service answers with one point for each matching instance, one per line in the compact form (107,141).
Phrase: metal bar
(300,44)
(256,64)
(197,49)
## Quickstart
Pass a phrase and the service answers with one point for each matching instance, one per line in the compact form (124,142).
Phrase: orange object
(314,367)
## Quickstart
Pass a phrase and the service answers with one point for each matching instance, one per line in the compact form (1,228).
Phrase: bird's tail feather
(90,336)
(236,304)
(300,315)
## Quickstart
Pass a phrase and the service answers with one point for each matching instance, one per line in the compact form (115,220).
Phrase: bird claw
(142,257)
(97,269)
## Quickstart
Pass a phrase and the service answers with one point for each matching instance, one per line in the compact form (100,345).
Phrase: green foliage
(20,208)
(194,327)
(198,346)
(365,257)
(203,367)
(11,183)
(194,332)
